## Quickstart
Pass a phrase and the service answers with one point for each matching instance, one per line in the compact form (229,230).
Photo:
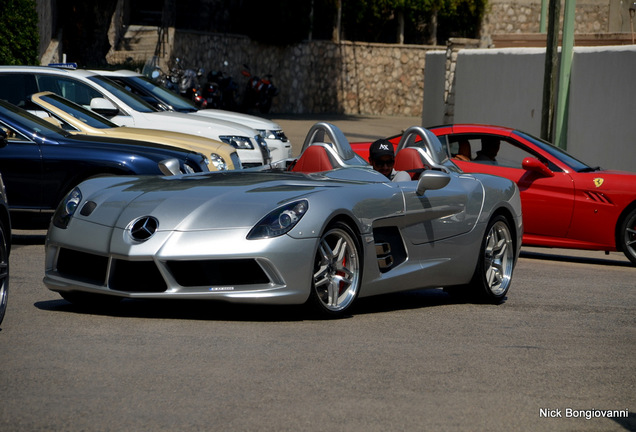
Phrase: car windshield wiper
(590,169)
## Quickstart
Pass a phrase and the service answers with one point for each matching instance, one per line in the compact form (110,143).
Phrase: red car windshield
(558,153)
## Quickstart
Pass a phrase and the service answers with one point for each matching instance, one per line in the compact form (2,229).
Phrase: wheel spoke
(321,277)
(334,293)
(326,252)
(630,236)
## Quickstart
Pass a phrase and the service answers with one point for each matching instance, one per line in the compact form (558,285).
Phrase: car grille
(82,266)
(217,272)
(136,276)
(145,277)
(251,164)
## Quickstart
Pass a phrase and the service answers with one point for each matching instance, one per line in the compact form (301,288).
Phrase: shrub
(19,37)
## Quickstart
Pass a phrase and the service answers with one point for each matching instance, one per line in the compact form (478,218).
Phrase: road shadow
(215,310)
(574,259)
(28,238)
(629,422)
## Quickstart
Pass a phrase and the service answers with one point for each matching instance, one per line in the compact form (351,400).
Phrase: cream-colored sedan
(77,119)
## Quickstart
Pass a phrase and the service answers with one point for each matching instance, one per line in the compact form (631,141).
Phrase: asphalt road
(565,339)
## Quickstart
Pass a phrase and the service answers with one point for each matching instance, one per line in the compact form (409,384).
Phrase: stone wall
(317,76)
(524,16)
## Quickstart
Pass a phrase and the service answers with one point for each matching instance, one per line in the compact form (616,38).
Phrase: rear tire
(337,270)
(627,236)
(493,275)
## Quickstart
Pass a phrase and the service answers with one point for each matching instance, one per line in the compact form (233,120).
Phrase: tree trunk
(336,28)
(432,37)
(400,27)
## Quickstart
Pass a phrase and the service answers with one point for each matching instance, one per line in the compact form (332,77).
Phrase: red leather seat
(410,160)
(313,159)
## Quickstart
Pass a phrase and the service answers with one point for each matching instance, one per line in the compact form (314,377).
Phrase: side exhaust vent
(383,251)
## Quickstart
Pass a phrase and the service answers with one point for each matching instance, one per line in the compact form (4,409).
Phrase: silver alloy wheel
(337,270)
(498,258)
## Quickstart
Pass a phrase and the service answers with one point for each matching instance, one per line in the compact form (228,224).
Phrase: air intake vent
(598,197)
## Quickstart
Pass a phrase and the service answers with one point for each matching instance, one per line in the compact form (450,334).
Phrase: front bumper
(214,264)
(279,150)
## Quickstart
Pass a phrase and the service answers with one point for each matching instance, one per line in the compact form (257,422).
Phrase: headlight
(238,142)
(218,162)
(273,134)
(267,134)
(280,221)
(67,208)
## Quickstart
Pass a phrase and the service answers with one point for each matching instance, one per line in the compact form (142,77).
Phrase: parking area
(355,128)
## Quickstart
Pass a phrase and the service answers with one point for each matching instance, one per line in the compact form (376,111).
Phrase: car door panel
(443,213)
(547,201)
(21,168)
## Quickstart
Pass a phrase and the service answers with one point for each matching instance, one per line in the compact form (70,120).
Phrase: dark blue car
(41,162)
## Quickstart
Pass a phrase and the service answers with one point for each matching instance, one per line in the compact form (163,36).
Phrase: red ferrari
(566,203)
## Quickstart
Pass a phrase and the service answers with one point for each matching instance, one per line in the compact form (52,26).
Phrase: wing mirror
(535,165)
(103,107)
(432,180)
(170,167)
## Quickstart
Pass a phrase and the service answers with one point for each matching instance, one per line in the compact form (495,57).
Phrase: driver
(382,159)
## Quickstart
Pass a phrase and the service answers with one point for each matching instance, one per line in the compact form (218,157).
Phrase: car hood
(198,125)
(198,202)
(176,139)
(245,119)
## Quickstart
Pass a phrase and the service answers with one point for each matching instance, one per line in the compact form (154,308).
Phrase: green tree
(282,22)
(461,18)
(411,21)
(19,36)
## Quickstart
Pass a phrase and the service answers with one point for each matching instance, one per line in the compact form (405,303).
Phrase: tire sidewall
(479,282)
(314,300)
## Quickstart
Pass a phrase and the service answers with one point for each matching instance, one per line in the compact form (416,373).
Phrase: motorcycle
(259,92)
(184,82)
(220,91)
(190,89)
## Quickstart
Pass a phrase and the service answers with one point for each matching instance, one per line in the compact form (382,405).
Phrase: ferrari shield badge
(598,181)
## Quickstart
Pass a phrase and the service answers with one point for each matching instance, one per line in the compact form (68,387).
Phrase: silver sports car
(324,230)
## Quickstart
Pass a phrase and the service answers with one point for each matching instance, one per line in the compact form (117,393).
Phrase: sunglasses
(385,162)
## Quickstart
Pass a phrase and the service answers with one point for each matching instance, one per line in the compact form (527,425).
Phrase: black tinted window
(70,89)
(16,88)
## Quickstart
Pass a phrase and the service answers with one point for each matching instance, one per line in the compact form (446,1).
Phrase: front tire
(627,236)
(493,275)
(337,270)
